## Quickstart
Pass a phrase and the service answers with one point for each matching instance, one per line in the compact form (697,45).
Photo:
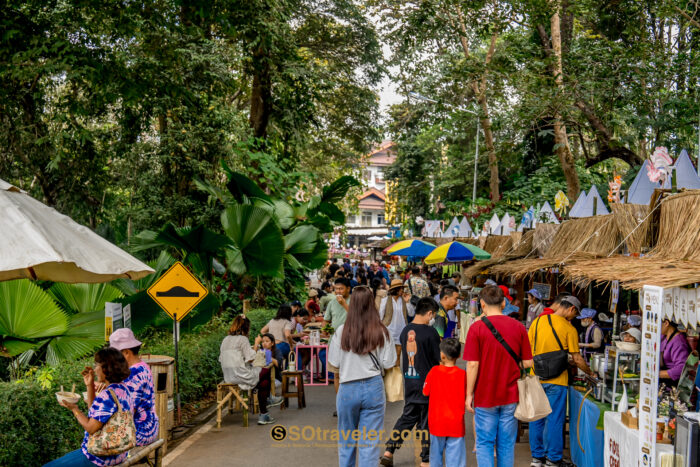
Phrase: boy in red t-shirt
(446,386)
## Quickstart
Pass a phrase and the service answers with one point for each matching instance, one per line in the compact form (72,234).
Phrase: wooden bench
(140,455)
(230,393)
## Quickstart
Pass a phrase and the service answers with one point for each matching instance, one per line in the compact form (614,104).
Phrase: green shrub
(35,429)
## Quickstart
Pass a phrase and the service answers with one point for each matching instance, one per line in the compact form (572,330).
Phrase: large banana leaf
(258,244)
(86,332)
(27,314)
(84,298)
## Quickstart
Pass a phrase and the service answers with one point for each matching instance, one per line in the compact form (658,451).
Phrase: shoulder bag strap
(501,340)
(536,325)
(549,318)
(376,363)
(409,285)
(114,396)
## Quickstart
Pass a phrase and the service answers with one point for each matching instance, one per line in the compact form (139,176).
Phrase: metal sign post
(177,292)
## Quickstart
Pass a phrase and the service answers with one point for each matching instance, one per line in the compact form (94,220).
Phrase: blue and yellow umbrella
(413,247)
(456,252)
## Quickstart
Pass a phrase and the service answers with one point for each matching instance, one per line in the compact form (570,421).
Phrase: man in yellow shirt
(553,333)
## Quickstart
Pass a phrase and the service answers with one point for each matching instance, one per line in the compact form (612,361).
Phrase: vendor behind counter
(591,340)
(674,353)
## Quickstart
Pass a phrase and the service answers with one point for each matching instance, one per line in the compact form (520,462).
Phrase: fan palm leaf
(84,298)
(129,287)
(257,241)
(27,314)
(85,333)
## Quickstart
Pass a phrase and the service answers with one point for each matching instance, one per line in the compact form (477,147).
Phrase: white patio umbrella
(38,242)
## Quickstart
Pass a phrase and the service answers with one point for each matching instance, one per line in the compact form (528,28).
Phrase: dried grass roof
(634,272)
(596,236)
(674,261)
(633,222)
(497,245)
(543,237)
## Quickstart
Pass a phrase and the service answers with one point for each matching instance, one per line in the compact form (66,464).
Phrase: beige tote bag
(393,384)
(533,404)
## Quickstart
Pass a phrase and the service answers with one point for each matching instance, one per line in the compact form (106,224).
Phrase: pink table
(314,349)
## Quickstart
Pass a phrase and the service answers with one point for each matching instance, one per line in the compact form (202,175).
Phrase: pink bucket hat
(122,339)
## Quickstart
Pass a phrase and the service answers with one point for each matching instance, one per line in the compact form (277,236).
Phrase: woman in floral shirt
(140,382)
(111,369)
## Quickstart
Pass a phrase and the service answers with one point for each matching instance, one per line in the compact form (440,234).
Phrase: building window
(380,219)
(366,219)
(367,175)
(351,219)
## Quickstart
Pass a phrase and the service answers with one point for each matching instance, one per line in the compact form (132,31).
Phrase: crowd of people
(119,380)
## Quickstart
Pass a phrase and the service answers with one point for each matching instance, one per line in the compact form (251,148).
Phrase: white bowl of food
(628,346)
(68,397)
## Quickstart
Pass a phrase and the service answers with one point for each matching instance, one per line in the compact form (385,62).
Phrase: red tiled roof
(373,191)
(383,155)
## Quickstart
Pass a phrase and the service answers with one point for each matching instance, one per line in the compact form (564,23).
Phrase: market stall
(585,429)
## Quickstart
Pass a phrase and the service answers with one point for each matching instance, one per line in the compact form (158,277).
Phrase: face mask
(584,324)
(431,322)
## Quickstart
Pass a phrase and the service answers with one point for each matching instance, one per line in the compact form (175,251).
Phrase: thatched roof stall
(497,244)
(674,261)
(576,239)
(443,240)
(633,223)
(543,238)
(520,245)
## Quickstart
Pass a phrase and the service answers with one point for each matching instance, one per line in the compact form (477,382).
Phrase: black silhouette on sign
(177,291)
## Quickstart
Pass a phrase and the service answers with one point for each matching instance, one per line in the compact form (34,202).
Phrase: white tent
(686,176)
(38,242)
(642,188)
(465,230)
(433,229)
(587,209)
(453,229)
(505,228)
(494,224)
(547,213)
(580,201)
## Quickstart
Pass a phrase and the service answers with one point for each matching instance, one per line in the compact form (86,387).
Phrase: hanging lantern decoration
(561,203)
(660,167)
(614,191)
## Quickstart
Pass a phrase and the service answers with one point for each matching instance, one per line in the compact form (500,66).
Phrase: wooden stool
(227,393)
(299,393)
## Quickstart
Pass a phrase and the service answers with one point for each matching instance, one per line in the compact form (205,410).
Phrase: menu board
(652,317)
(543,289)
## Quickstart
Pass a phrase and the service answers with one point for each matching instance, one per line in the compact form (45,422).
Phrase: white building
(370,220)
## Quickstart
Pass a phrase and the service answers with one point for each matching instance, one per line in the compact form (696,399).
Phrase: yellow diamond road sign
(177,291)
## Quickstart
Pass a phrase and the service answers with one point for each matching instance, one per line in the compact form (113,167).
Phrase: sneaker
(561,463)
(274,401)
(335,413)
(265,419)
(537,462)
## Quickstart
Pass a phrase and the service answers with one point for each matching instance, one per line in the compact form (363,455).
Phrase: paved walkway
(235,445)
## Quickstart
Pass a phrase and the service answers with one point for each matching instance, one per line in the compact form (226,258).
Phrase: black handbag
(549,365)
(414,298)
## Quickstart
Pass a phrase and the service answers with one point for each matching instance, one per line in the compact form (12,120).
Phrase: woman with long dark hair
(361,348)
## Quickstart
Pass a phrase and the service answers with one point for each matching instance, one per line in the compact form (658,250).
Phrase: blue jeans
(497,427)
(452,449)
(285,349)
(72,459)
(360,406)
(547,434)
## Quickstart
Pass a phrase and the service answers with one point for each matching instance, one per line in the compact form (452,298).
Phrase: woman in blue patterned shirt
(140,381)
(111,369)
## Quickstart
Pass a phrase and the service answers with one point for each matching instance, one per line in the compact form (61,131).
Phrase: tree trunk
(260,95)
(480,93)
(566,159)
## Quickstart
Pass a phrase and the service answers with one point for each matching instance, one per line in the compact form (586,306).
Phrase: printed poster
(684,306)
(668,303)
(692,312)
(652,317)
